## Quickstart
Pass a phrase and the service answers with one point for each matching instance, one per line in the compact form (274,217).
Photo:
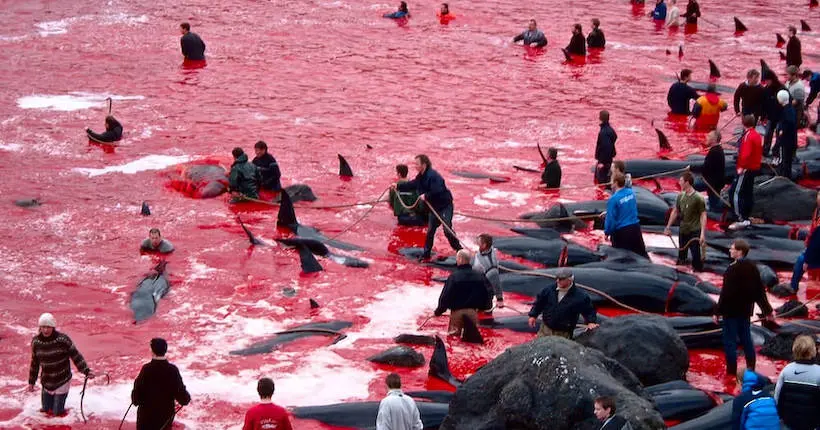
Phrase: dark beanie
(159,346)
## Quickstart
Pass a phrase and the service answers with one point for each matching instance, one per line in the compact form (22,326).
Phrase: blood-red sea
(312,79)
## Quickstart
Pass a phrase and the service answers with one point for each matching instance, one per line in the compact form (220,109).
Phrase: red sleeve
(745,151)
(284,422)
(249,419)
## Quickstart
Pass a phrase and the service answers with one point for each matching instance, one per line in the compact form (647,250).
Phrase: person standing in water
(680,93)
(485,261)
(672,18)
(193,48)
(604,148)
(50,355)
(551,176)
(692,231)
(244,178)
(595,38)
(577,45)
(692,12)
(532,36)
(707,109)
(659,13)
(112,133)
(794,51)
(444,15)
(156,388)
(402,12)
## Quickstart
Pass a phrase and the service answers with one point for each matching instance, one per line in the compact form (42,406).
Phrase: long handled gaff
(110,103)
(126,414)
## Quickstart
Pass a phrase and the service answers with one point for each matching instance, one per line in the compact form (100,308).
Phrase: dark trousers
(771,127)
(715,203)
(433,223)
(734,329)
(693,248)
(53,403)
(602,173)
(786,158)
(742,193)
(412,220)
(630,238)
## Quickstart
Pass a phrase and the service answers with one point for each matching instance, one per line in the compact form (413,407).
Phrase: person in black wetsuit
(595,38)
(680,93)
(268,168)
(604,148)
(433,190)
(794,52)
(533,36)
(577,45)
(112,133)
(193,48)
(551,177)
(692,12)
(156,389)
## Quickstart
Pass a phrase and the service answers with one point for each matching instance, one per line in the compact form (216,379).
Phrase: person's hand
(90,375)
(600,165)
(592,326)
(702,237)
(393,187)
(438,313)
(422,197)
(667,231)
(31,388)
(716,319)
(805,266)
(531,322)
(499,303)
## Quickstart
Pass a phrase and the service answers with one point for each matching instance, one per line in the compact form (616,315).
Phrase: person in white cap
(51,351)
(786,143)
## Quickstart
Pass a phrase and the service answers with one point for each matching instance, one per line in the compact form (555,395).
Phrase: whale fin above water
(804,26)
(766,72)
(251,238)
(714,72)
(344,167)
(680,51)
(287,215)
(782,55)
(739,27)
(541,153)
(308,261)
(439,366)
(145,210)
(663,142)
(780,39)
(314,304)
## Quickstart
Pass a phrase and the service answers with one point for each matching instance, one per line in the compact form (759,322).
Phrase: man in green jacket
(244,179)
(416,217)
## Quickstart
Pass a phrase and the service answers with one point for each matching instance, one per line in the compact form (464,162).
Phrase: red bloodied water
(311,79)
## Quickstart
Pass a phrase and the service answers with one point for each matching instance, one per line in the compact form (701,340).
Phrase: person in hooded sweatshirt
(673,17)
(193,48)
(754,408)
(659,13)
(577,45)
(798,387)
(268,168)
(50,354)
(621,224)
(112,133)
(485,261)
(707,109)
(750,95)
(596,38)
(680,93)
(794,52)
(786,135)
(156,388)
(532,36)
(244,178)
(402,12)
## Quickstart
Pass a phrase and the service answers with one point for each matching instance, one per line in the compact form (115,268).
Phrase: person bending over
(532,36)
(112,133)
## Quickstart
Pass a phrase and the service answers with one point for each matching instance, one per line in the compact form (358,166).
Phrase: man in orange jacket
(749,158)
(707,109)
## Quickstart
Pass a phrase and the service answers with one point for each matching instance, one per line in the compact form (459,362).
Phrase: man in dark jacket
(415,217)
(551,177)
(772,110)
(604,148)
(692,12)
(750,94)
(244,178)
(268,168)
(794,54)
(742,288)
(605,411)
(112,133)
(156,388)
(432,191)
(465,292)
(193,48)
(595,38)
(680,93)
(577,44)
(560,306)
(814,85)
(714,171)
(786,135)
(810,258)
(754,408)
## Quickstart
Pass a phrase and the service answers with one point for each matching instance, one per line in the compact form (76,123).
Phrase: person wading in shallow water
(50,355)
(156,388)
(155,243)
(692,210)
(244,179)
(193,48)
(560,306)
(532,36)
(112,133)
(465,292)
(433,190)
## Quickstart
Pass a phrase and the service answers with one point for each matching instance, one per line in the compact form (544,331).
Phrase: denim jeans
(54,403)
(446,214)
(734,329)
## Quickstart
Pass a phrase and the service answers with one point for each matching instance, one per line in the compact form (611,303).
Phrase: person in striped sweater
(51,351)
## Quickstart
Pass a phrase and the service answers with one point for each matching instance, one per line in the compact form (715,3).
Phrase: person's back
(622,210)
(397,411)
(577,44)
(156,388)
(798,387)
(464,289)
(244,177)
(678,97)
(714,167)
(742,288)
(596,38)
(551,176)
(750,152)
(707,110)
(112,133)
(266,415)
(753,408)
(660,12)
(193,48)
(794,54)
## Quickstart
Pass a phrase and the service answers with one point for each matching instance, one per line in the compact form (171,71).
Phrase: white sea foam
(496,198)
(69,102)
(150,162)
(11,147)
(51,28)
(393,311)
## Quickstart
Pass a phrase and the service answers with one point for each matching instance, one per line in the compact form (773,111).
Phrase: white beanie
(783,97)
(47,320)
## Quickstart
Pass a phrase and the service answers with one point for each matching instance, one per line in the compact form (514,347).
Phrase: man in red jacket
(749,157)
(266,415)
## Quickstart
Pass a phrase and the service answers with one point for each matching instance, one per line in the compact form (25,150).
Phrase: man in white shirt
(673,15)
(397,411)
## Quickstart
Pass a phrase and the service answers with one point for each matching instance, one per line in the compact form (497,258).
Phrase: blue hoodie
(660,11)
(753,408)
(621,210)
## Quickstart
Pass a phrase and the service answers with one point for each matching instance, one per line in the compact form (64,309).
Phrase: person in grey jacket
(797,392)
(486,263)
(532,36)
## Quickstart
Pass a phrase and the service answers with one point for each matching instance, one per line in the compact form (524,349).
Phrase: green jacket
(245,177)
(409,198)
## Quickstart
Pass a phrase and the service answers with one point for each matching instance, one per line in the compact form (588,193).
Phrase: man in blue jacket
(622,225)
(814,85)
(754,408)
(432,191)
(810,258)
(660,11)
(560,306)
(680,93)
